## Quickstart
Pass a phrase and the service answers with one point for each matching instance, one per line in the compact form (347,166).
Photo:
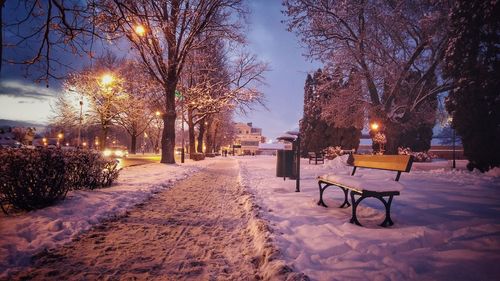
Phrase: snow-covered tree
(397,47)
(473,62)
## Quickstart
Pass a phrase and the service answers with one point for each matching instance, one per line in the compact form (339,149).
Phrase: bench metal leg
(387,204)
(322,189)
(355,204)
(346,201)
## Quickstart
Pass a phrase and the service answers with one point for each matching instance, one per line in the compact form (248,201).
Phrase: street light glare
(158,113)
(107,79)
(140,30)
(374,126)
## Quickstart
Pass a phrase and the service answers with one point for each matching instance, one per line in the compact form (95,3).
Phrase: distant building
(247,139)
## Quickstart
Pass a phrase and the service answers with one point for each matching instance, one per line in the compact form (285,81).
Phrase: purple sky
(21,99)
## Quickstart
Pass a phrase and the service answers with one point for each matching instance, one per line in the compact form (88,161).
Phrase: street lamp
(140,30)
(374,126)
(107,79)
(59,138)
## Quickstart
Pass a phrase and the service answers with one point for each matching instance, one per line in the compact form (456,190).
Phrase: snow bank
(269,258)
(23,235)
(446,224)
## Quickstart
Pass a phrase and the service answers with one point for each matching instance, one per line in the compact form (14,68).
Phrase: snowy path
(195,231)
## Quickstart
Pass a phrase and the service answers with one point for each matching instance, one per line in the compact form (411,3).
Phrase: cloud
(19,89)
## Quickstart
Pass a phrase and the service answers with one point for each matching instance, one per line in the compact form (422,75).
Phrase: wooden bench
(368,187)
(317,157)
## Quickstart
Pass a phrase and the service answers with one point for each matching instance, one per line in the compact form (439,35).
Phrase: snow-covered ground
(25,234)
(447,223)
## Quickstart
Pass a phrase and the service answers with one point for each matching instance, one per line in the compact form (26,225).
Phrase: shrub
(33,179)
(197,156)
(424,156)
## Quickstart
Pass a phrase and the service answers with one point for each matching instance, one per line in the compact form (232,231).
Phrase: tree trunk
(133,143)
(104,135)
(212,135)
(201,134)
(191,133)
(168,135)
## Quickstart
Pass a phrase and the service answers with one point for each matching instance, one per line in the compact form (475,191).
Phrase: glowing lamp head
(60,136)
(157,113)
(374,126)
(140,30)
(107,79)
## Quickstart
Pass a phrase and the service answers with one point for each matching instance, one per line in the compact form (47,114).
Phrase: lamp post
(181,98)
(450,122)
(80,124)
(374,127)
(59,138)
(296,147)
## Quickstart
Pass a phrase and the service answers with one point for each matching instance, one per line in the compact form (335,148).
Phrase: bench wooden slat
(400,163)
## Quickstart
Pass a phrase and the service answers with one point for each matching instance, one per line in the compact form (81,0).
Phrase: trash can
(285,164)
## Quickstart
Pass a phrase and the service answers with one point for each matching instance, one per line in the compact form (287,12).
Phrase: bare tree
(102,86)
(215,83)
(39,32)
(397,47)
(135,113)
(163,33)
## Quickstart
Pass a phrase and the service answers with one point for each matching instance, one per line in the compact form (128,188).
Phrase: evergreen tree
(473,62)
(322,99)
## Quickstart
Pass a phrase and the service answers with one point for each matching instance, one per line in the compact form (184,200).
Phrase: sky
(23,100)
(284,92)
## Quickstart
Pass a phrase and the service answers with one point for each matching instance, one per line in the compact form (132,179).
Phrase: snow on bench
(366,187)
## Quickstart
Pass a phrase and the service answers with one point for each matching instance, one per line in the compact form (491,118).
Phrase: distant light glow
(374,126)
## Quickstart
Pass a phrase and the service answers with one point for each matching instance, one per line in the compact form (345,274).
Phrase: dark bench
(316,157)
(365,188)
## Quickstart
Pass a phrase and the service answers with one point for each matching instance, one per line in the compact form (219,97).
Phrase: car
(8,142)
(118,151)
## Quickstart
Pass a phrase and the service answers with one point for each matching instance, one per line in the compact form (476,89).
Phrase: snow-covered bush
(333,151)
(32,179)
(35,178)
(417,156)
(88,169)
(380,138)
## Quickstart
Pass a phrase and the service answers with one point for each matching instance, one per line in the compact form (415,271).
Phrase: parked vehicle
(6,142)
(118,151)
